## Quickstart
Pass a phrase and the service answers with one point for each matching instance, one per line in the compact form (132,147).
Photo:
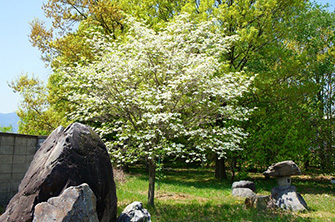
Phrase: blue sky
(16,53)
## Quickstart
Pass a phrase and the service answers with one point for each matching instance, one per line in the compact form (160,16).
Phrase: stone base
(288,198)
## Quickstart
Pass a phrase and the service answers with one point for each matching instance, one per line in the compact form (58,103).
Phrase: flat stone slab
(283,169)
(244,184)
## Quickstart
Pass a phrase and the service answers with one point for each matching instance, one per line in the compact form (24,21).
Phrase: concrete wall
(16,153)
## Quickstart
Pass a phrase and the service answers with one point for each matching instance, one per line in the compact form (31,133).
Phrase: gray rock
(244,184)
(74,204)
(282,169)
(134,212)
(288,198)
(243,192)
(258,201)
(68,157)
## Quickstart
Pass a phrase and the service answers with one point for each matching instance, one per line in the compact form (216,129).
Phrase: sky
(17,55)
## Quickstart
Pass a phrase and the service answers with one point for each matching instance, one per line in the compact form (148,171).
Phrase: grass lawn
(194,195)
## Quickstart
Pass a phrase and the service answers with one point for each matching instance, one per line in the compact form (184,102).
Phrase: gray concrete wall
(16,153)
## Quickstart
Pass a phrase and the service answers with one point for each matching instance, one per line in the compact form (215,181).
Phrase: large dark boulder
(68,157)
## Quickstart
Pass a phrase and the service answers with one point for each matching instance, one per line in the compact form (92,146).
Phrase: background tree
(315,41)
(156,88)
(6,129)
(36,116)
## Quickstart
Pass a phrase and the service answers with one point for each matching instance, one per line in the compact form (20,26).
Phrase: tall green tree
(315,38)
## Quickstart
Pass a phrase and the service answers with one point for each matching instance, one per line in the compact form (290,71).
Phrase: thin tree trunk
(232,168)
(151,191)
(220,169)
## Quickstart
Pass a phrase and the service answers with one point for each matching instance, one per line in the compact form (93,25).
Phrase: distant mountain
(9,119)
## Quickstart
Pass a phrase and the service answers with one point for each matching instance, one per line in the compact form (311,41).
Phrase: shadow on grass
(314,186)
(204,179)
(211,212)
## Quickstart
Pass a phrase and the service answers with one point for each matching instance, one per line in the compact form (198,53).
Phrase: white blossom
(152,88)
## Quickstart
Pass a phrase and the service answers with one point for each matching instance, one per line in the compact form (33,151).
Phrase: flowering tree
(151,89)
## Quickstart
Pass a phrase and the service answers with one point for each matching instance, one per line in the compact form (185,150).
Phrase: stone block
(19,159)
(21,141)
(31,150)
(17,177)
(32,142)
(20,150)
(5,168)
(29,158)
(5,177)
(4,187)
(14,187)
(4,198)
(7,140)
(6,159)
(20,167)
(6,149)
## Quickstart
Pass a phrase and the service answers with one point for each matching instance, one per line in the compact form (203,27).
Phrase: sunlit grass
(194,195)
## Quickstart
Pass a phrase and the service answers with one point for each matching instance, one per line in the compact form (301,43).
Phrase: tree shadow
(204,179)
(211,212)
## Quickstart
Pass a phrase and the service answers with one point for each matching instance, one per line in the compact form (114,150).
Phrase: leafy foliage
(6,129)
(36,116)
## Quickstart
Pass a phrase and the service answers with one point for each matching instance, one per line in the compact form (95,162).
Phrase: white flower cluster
(162,93)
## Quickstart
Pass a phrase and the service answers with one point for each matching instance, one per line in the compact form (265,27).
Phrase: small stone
(243,192)
(244,184)
(258,201)
(134,212)
(74,204)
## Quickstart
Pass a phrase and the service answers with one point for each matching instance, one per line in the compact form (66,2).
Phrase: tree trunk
(232,168)
(220,169)
(151,191)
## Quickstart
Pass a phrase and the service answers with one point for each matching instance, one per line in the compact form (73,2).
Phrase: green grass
(194,195)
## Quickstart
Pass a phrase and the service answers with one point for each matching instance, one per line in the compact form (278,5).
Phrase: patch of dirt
(179,197)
